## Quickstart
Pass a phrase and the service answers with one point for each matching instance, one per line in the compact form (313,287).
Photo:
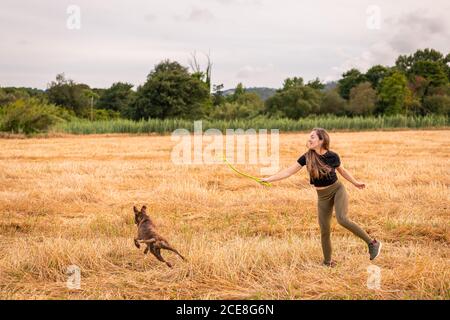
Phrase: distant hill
(330,85)
(263,92)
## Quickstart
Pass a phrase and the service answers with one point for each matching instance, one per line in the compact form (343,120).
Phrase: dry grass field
(68,201)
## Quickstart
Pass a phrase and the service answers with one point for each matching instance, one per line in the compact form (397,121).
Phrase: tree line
(418,84)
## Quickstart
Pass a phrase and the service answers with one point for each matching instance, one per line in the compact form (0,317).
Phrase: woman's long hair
(316,167)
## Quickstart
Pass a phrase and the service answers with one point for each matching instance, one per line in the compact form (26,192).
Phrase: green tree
(405,63)
(349,80)
(419,86)
(217,96)
(292,82)
(439,104)
(240,104)
(238,91)
(250,99)
(375,74)
(333,103)
(243,97)
(316,84)
(11,94)
(392,94)
(117,98)
(441,90)
(447,64)
(432,71)
(234,110)
(31,116)
(362,99)
(68,94)
(294,102)
(429,64)
(169,92)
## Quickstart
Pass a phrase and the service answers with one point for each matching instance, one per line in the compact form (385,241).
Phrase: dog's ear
(144,209)
(136,215)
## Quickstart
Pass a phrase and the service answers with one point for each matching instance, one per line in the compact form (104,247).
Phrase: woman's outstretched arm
(285,173)
(347,175)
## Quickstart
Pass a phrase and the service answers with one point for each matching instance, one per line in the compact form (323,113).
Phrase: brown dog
(147,234)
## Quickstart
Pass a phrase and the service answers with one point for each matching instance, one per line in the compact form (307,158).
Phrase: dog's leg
(136,243)
(149,241)
(157,253)
(152,249)
(168,247)
(150,246)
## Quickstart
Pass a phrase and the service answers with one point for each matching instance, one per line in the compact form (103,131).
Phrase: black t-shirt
(331,159)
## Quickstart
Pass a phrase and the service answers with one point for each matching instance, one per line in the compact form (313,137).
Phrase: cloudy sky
(256,42)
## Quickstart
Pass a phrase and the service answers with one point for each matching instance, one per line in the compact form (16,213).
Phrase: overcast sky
(256,42)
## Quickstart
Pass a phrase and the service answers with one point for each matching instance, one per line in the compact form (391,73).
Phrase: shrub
(333,103)
(437,104)
(234,110)
(294,102)
(31,116)
(104,114)
(362,99)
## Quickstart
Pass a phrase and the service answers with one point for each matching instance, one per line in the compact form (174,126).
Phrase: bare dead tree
(196,68)
(193,63)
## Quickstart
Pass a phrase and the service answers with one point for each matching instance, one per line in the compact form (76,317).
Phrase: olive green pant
(337,195)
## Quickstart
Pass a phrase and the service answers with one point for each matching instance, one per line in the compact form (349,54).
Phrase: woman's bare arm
(347,175)
(285,173)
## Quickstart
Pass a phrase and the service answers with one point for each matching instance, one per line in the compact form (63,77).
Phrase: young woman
(322,164)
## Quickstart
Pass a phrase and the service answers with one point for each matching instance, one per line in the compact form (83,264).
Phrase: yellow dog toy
(264,183)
